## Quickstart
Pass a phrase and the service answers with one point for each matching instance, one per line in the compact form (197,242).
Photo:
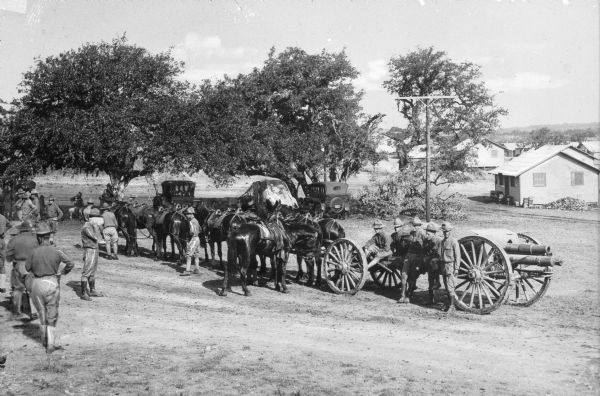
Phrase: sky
(539,58)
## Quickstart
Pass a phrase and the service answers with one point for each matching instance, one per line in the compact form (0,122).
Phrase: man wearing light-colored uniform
(91,233)
(110,233)
(450,263)
(54,215)
(193,245)
(45,270)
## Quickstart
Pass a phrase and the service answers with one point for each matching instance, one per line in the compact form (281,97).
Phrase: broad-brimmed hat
(25,226)
(447,226)
(377,225)
(95,213)
(20,191)
(105,206)
(416,221)
(34,192)
(432,227)
(132,196)
(190,210)
(50,198)
(398,222)
(43,229)
(90,201)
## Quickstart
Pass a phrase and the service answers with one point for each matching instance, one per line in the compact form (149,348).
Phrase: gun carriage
(497,266)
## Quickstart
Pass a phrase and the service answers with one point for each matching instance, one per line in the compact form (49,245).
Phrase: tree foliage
(455,125)
(103,107)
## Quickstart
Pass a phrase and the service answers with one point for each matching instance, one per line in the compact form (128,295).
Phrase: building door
(506,189)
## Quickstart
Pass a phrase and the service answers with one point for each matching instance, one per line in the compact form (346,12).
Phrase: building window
(512,181)
(577,178)
(539,180)
(500,180)
(494,153)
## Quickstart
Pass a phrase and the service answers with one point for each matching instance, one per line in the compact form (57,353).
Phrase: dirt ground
(156,332)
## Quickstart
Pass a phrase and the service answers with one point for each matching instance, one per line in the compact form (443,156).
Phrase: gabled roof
(591,145)
(510,146)
(533,158)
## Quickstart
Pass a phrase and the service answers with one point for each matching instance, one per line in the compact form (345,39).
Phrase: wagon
(497,266)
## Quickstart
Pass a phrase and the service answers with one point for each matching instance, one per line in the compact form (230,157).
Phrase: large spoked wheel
(484,275)
(531,281)
(345,267)
(385,275)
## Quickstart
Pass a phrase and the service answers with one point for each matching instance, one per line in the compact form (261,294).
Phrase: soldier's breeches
(17,280)
(90,263)
(53,226)
(111,235)
(448,272)
(46,296)
(193,248)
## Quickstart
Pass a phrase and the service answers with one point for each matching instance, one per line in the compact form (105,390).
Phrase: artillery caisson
(497,266)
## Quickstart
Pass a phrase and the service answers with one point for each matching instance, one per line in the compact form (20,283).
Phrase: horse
(247,240)
(217,226)
(331,230)
(127,224)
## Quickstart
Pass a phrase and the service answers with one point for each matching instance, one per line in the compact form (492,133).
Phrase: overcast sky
(540,57)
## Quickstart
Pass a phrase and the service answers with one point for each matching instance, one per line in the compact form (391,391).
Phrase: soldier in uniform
(379,245)
(449,252)
(18,251)
(28,211)
(109,231)
(193,245)
(399,244)
(414,256)
(45,270)
(90,235)
(54,215)
(35,199)
(431,256)
(132,202)
(88,209)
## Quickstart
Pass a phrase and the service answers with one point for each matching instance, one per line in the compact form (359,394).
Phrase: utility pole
(426,100)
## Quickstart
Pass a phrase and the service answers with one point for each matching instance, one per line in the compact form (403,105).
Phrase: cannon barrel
(542,261)
(527,248)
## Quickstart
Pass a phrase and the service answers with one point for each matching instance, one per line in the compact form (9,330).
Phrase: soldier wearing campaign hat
(88,209)
(379,245)
(45,270)
(54,214)
(91,233)
(414,256)
(193,246)
(18,251)
(449,253)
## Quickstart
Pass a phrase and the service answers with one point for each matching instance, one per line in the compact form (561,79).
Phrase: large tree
(103,107)
(304,118)
(456,125)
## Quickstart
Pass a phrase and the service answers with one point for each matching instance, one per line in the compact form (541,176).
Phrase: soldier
(193,245)
(19,249)
(449,252)
(132,202)
(379,245)
(88,209)
(3,223)
(54,215)
(109,231)
(431,256)
(35,199)
(45,269)
(90,235)
(29,212)
(414,256)
(399,244)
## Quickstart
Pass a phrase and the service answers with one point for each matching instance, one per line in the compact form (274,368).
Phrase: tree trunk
(119,183)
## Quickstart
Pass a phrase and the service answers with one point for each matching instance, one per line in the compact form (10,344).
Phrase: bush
(567,203)
(404,194)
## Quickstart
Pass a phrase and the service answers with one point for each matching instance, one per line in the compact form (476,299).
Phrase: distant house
(591,147)
(484,155)
(512,150)
(549,173)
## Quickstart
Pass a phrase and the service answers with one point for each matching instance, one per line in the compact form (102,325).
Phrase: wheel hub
(344,268)
(476,275)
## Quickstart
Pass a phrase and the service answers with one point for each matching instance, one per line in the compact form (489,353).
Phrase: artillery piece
(497,266)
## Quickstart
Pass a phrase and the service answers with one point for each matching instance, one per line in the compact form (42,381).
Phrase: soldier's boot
(437,285)
(33,313)
(17,300)
(93,292)
(109,252)
(196,265)
(52,346)
(403,299)
(449,307)
(188,267)
(84,291)
(115,249)
(44,335)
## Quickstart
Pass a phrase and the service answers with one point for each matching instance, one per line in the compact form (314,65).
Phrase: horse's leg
(263,264)
(172,246)
(300,273)
(230,259)
(431,277)
(283,256)
(318,264)
(219,250)
(310,268)
(243,268)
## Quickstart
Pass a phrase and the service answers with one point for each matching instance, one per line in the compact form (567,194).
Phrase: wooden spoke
(465,292)
(492,288)
(487,295)
(479,296)
(470,264)
(480,258)
(473,254)
(461,283)
(487,278)
(351,283)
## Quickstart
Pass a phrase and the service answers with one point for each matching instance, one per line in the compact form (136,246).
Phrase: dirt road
(158,333)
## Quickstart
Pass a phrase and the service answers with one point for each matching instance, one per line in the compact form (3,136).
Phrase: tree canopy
(465,120)
(102,107)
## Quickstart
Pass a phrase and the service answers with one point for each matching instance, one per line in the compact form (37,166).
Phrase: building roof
(510,146)
(591,145)
(533,158)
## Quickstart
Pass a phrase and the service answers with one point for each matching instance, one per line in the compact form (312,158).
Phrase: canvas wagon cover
(272,190)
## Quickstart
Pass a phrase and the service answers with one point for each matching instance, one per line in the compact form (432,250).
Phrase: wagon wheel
(386,276)
(484,275)
(345,267)
(531,282)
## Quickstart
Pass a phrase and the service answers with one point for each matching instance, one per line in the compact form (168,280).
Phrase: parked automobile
(333,196)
